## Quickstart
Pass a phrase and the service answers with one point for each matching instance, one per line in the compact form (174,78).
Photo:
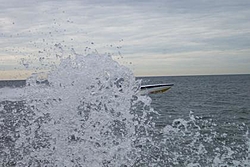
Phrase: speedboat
(155,88)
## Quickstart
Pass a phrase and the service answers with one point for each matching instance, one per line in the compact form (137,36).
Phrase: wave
(90,114)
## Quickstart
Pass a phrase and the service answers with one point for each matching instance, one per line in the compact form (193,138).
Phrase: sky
(152,38)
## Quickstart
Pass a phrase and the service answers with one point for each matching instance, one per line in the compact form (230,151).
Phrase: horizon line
(149,76)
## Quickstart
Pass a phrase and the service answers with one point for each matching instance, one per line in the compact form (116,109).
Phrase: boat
(155,88)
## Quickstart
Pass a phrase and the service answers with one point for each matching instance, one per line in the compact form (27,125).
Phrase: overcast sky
(162,37)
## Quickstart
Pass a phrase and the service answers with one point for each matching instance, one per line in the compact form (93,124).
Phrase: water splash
(198,142)
(83,116)
(89,113)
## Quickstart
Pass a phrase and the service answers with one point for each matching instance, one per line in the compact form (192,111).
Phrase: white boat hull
(156,88)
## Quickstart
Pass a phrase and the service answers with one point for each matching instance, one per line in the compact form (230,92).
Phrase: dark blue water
(12,83)
(224,98)
(200,121)
(220,104)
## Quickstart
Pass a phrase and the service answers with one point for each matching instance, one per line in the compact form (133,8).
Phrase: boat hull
(156,88)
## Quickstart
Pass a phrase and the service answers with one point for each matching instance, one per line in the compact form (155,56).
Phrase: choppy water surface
(89,113)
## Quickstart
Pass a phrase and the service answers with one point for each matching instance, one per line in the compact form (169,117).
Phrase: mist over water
(90,113)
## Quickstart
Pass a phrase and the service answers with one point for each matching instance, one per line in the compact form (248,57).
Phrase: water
(218,106)
(223,97)
(85,116)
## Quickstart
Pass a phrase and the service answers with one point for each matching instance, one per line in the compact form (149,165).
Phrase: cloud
(146,33)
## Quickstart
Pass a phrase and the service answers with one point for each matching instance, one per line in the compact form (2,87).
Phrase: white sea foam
(190,145)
